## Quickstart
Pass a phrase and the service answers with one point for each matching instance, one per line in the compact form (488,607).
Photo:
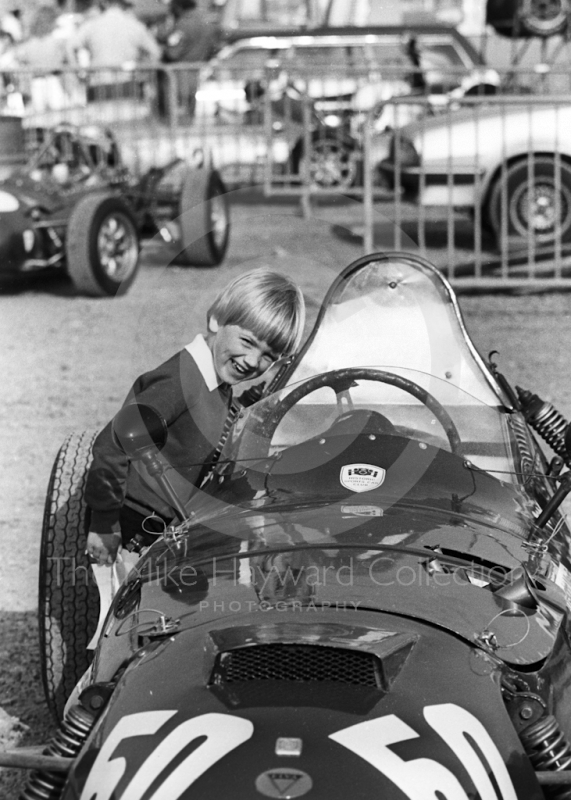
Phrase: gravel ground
(67,362)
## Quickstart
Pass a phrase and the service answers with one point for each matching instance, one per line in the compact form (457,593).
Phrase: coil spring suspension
(548,749)
(66,743)
(544,418)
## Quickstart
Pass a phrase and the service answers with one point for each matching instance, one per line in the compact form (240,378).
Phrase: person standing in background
(190,40)
(42,53)
(117,40)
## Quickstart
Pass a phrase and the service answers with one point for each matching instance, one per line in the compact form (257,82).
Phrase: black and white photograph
(285,409)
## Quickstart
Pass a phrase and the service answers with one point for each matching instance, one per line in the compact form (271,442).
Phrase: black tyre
(102,245)
(538,201)
(544,17)
(525,18)
(333,162)
(204,219)
(68,595)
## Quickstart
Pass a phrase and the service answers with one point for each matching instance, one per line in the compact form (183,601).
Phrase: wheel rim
(218,219)
(331,166)
(117,247)
(539,211)
(544,15)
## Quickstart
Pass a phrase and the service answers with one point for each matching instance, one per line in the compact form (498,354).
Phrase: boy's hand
(102,548)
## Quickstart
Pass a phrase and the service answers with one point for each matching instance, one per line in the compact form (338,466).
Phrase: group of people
(69,54)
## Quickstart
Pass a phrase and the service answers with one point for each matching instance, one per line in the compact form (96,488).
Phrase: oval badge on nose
(283,782)
(361,477)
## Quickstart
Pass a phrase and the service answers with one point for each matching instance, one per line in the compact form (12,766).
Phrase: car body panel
(462,152)
(245,723)
(360,600)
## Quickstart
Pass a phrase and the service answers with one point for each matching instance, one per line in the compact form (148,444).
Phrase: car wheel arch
(507,168)
(493,175)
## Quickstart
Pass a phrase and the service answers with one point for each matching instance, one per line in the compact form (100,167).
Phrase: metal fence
(483,188)
(473,171)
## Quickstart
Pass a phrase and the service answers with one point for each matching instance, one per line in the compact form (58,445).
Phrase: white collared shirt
(202,354)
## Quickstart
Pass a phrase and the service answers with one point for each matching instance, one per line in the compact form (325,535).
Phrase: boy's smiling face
(238,354)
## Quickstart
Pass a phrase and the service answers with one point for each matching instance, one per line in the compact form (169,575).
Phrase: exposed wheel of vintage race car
(538,200)
(343,378)
(102,245)
(68,596)
(204,219)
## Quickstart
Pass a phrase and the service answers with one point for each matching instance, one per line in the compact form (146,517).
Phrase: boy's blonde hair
(266,303)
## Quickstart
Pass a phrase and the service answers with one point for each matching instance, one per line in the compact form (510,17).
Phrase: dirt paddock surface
(67,363)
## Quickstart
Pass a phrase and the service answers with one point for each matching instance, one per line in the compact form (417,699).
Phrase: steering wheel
(340,379)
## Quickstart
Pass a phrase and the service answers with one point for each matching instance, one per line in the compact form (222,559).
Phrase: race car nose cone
(283,782)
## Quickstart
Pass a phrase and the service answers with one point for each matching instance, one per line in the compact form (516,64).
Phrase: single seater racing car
(73,205)
(368,597)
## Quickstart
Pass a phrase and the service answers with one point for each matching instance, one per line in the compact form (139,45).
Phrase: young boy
(257,319)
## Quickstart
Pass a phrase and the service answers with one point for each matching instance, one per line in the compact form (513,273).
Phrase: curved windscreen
(396,310)
(391,399)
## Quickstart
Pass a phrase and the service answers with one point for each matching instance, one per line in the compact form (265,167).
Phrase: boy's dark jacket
(195,418)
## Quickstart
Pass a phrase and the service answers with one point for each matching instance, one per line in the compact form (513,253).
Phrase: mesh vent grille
(297,662)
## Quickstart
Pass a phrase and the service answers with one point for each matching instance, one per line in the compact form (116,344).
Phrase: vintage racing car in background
(73,205)
(368,597)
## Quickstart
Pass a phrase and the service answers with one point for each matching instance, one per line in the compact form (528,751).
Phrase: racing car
(367,597)
(74,206)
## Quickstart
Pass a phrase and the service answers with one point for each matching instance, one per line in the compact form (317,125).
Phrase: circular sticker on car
(283,782)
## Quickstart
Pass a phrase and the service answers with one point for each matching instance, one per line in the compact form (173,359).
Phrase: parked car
(343,73)
(368,597)
(72,205)
(350,65)
(512,160)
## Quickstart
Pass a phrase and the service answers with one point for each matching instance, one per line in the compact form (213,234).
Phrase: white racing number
(421,778)
(223,734)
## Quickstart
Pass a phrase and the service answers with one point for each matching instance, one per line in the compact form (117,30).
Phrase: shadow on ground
(21,692)
(54,283)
